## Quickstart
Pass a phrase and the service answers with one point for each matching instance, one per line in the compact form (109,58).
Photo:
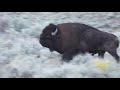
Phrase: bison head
(48,36)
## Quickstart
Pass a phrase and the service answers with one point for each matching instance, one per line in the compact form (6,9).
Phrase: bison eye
(48,36)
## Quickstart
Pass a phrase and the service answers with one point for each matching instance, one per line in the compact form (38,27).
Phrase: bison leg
(67,56)
(114,54)
(101,54)
(92,54)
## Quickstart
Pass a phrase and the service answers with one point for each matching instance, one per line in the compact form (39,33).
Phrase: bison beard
(71,39)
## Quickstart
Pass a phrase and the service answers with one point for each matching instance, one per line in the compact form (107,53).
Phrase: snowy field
(21,55)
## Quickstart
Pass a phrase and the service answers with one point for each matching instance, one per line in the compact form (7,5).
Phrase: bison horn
(55,32)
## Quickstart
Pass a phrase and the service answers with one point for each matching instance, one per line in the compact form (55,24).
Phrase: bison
(70,39)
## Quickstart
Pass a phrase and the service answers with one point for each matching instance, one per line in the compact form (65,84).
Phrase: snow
(21,55)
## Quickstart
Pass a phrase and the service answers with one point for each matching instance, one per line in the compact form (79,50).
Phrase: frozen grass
(22,56)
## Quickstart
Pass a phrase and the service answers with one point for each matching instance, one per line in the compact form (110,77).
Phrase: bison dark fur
(70,39)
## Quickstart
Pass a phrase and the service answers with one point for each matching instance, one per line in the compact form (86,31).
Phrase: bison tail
(117,42)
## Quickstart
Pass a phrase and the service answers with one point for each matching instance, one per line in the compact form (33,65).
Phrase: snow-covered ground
(21,55)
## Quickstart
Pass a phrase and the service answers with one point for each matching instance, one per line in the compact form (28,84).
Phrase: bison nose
(41,37)
(40,41)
